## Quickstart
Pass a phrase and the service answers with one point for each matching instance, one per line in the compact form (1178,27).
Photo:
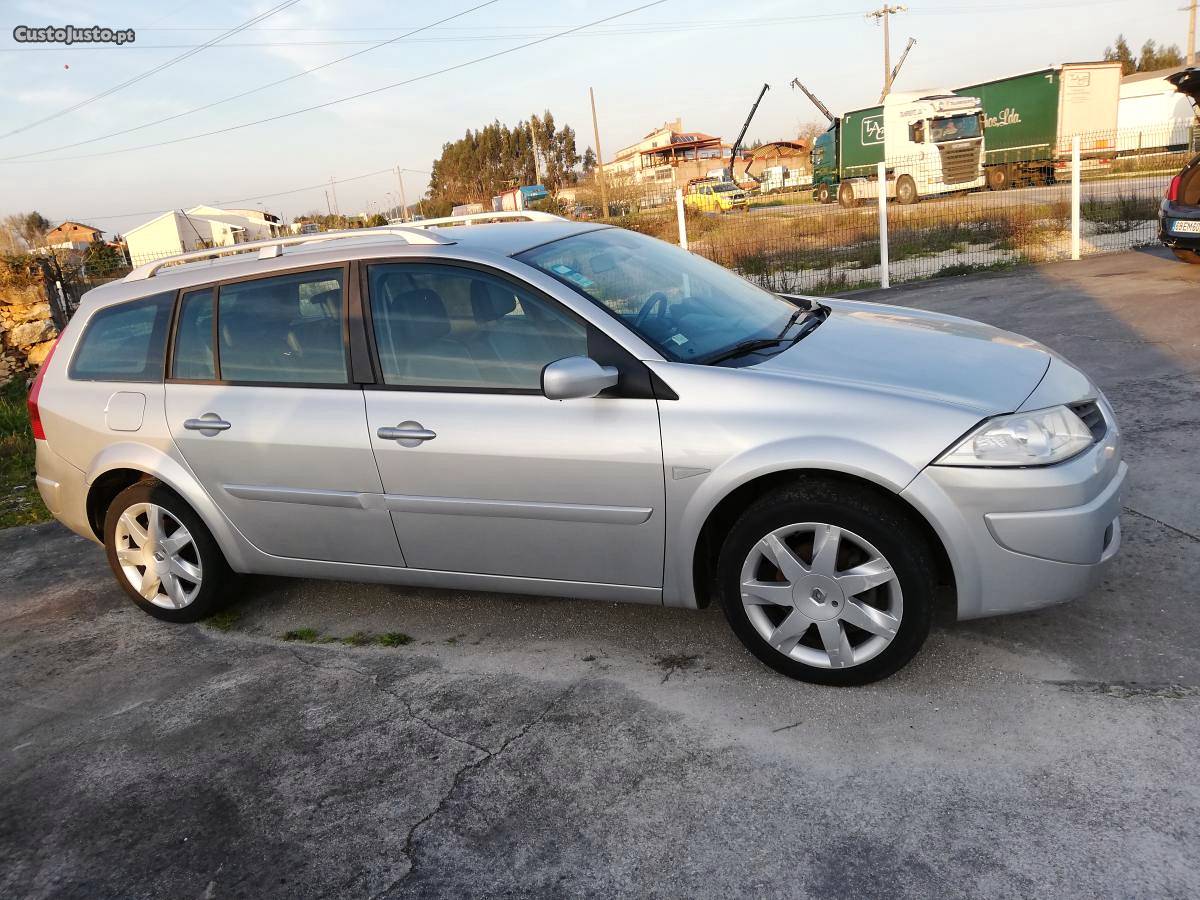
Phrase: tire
(871,533)
(999,178)
(823,194)
(846,198)
(1188,256)
(906,190)
(191,578)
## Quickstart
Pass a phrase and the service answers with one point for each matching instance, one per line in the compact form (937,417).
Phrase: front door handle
(407,434)
(208,424)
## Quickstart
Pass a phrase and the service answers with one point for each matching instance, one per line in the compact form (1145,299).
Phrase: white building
(199,228)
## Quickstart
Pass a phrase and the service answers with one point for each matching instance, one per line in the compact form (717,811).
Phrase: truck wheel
(906,190)
(823,195)
(846,195)
(1188,256)
(999,178)
(828,583)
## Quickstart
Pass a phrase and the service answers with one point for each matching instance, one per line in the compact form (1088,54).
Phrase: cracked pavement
(525,746)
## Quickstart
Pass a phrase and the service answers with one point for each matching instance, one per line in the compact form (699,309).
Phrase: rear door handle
(208,424)
(407,434)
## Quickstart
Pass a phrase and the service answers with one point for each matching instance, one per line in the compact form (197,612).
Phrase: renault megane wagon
(540,406)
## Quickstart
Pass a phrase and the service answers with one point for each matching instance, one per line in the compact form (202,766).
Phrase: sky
(700,61)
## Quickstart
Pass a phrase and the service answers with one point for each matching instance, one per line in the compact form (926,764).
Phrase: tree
(21,232)
(376,221)
(102,259)
(1152,57)
(807,132)
(485,162)
(1121,52)
(589,162)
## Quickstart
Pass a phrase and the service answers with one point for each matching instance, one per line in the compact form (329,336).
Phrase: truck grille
(960,162)
(1092,417)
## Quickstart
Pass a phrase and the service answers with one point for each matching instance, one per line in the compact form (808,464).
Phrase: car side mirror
(576,377)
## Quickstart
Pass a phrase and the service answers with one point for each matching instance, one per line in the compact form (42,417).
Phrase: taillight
(35,415)
(1173,188)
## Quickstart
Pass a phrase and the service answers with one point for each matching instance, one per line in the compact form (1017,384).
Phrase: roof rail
(529,215)
(272,248)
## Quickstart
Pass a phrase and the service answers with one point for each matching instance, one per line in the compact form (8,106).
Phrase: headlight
(1036,438)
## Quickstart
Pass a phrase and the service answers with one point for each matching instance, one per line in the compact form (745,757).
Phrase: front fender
(689,507)
(176,475)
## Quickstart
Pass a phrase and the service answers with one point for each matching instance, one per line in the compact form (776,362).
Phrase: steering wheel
(653,302)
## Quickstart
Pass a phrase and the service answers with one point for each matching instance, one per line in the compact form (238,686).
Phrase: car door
(484,474)
(260,404)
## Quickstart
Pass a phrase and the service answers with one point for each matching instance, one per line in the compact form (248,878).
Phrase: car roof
(490,239)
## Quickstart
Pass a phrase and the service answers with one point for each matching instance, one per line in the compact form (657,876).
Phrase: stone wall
(26,329)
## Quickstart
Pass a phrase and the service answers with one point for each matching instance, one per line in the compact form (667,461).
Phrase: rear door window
(126,342)
(283,330)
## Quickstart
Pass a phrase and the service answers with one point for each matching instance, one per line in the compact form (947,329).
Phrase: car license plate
(1182,226)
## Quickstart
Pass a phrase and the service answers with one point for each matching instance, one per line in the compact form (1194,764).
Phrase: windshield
(684,305)
(953,128)
(725,186)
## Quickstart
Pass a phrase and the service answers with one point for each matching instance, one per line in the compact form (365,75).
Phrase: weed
(394,639)
(20,502)
(358,639)
(223,620)
(304,635)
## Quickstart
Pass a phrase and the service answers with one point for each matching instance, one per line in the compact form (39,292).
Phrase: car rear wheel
(1188,256)
(163,555)
(827,583)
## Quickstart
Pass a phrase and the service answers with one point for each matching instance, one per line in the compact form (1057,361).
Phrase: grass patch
(223,620)
(303,635)
(394,639)
(358,639)
(20,502)
(1122,213)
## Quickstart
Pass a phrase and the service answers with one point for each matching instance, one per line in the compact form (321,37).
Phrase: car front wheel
(163,555)
(828,583)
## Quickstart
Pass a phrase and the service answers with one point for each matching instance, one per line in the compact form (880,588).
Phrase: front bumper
(1021,539)
(1168,215)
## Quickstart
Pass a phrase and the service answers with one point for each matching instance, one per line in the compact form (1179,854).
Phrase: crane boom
(742,133)
(813,97)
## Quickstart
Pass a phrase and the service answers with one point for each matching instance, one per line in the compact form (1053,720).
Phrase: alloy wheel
(821,595)
(158,555)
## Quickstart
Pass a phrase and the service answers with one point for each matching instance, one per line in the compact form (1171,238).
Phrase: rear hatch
(1183,198)
(1187,82)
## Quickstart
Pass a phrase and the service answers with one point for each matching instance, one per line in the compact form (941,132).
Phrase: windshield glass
(954,128)
(684,305)
(725,186)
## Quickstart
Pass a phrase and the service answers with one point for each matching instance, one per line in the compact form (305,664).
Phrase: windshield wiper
(816,316)
(744,347)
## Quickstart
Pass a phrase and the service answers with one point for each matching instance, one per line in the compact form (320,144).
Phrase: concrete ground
(522,746)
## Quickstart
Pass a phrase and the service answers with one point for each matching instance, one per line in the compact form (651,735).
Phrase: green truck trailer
(1030,119)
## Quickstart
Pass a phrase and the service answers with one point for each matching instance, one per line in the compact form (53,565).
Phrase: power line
(324,184)
(177,59)
(239,96)
(359,95)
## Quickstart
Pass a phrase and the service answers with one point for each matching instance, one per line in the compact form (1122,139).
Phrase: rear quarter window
(125,342)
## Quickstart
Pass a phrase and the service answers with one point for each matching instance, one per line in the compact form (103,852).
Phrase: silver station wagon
(539,406)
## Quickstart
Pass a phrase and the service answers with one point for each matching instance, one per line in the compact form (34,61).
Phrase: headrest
(489,302)
(421,314)
(328,301)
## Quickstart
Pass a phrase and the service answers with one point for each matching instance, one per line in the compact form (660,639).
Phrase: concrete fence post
(881,179)
(682,219)
(1075,197)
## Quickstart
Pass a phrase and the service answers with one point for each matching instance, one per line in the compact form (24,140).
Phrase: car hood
(892,349)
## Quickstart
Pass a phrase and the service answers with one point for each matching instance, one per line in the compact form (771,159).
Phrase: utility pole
(328,208)
(599,157)
(1191,42)
(403,202)
(333,188)
(882,15)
